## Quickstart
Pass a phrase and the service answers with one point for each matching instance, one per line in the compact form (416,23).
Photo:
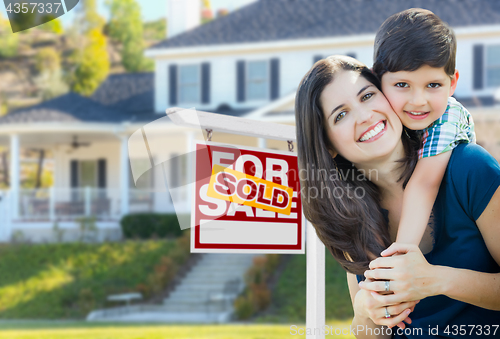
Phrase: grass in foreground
(55,281)
(84,330)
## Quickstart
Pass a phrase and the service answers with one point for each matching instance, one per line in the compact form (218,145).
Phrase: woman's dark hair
(412,38)
(353,228)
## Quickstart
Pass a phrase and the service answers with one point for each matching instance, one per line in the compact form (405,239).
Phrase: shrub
(261,296)
(149,225)
(244,307)
(257,293)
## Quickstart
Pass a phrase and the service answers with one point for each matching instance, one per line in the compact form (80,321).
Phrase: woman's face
(360,122)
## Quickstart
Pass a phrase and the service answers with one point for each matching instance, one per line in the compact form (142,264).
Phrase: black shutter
(478,66)
(275,78)
(74,173)
(352,55)
(205,83)
(101,173)
(172,83)
(317,58)
(240,81)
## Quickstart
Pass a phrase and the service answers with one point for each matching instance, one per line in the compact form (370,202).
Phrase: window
(493,66)
(257,80)
(189,84)
(88,173)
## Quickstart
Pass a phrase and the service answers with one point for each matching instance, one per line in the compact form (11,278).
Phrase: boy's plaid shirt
(444,134)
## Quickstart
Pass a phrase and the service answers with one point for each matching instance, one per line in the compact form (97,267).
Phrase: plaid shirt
(444,134)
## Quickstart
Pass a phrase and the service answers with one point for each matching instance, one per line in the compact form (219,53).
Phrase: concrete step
(221,277)
(209,283)
(206,308)
(189,302)
(200,297)
(207,278)
(197,288)
(220,269)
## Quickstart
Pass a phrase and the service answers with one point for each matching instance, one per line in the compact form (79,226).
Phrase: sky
(151,9)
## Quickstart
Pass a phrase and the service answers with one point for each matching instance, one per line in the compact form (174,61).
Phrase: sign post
(315,251)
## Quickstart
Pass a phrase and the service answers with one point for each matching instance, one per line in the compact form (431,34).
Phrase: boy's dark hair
(412,38)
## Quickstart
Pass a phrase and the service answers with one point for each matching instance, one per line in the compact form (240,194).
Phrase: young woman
(349,134)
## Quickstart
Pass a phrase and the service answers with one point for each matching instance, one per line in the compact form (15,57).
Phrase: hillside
(44,49)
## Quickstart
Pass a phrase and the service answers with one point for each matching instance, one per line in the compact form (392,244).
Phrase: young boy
(415,59)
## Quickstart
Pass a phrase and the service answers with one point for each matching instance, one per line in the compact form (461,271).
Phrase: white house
(247,63)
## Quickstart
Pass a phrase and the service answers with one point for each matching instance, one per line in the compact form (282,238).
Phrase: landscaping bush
(256,296)
(150,225)
(244,307)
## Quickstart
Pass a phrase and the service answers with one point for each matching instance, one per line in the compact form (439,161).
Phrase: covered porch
(91,178)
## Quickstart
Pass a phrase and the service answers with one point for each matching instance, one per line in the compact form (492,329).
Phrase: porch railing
(104,204)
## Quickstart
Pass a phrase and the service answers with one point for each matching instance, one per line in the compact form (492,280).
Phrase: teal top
(471,179)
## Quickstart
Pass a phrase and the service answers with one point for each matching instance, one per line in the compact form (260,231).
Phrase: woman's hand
(368,306)
(409,274)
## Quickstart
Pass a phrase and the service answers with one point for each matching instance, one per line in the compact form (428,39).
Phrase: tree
(93,66)
(50,76)
(155,30)
(91,62)
(89,19)
(125,27)
(54,26)
(8,40)
(47,59)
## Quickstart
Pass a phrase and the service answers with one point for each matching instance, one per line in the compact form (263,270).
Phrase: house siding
(223,70)
(294,64)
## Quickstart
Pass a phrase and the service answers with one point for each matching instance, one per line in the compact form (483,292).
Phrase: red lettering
(253,189)
(260,196)
(277,192)
(225,183)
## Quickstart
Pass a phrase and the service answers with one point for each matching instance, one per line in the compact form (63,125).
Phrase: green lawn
(83,330)
(57,281)
(289,294)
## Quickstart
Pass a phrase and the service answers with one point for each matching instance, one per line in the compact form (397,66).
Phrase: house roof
(271,20)
(127,92)
(121,97)
(70,107)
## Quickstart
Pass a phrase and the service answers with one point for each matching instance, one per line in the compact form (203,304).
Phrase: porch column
(262,143)
(14,174)
(124,175)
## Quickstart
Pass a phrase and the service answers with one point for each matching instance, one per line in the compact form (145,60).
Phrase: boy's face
(419,97)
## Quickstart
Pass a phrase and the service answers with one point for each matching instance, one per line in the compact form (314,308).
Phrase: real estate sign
(246,200)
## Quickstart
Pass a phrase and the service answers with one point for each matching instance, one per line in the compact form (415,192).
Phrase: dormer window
(257,80)
(493,66)
(189,84)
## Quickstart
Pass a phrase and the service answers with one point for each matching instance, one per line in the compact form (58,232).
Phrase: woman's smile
(374,132)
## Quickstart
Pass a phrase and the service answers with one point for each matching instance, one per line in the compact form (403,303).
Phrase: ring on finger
(387,286)
(387,314)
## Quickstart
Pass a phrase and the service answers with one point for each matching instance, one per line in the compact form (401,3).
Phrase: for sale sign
(246,200)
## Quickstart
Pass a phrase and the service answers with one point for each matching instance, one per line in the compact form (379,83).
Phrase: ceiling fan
(75,144)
